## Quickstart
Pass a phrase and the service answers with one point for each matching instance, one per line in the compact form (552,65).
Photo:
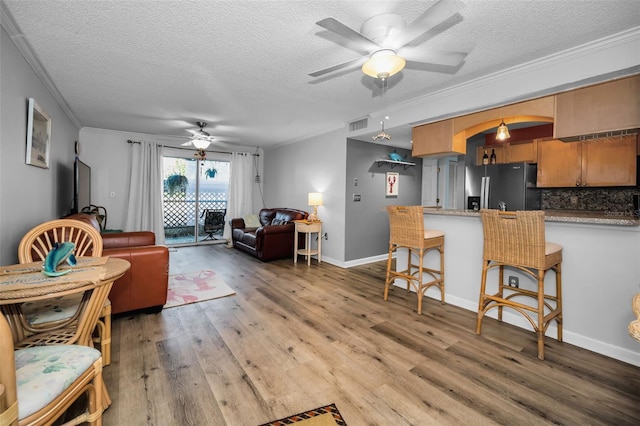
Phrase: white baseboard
(365,260)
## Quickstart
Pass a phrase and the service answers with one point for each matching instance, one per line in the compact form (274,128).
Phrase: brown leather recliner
(272,240)
(145,284)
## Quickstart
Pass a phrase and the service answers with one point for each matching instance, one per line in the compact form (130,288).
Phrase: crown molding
(23,46)
(168,141)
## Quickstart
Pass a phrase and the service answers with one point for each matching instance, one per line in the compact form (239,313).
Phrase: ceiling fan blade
(433,56)
(187,143)
(199,133)
(431,67)
(353,39)
(353,63)
(435,15)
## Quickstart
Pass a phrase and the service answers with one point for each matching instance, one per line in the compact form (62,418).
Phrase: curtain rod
(191,149)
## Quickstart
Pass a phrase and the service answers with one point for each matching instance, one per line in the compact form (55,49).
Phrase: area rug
(195,287)
(323,416)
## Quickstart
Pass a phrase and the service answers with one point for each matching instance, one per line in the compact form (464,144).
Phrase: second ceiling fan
(384,42)
(200,140)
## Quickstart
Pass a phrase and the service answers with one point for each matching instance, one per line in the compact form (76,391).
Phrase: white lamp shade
(383,64)
(201,143)
(315,198)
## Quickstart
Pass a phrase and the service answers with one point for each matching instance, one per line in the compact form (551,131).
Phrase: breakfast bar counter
(600,274)
(567,216)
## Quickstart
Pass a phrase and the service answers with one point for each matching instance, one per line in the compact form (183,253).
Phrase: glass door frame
(187,156)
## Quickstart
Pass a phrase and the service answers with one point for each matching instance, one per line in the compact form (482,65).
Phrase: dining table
(92,277)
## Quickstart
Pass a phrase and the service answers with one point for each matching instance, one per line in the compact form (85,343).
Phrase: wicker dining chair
(34,247)
(42,382)
(517,240)
(406,226)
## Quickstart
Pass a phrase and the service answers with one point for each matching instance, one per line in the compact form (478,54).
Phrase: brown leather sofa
(272,240)
(145,284)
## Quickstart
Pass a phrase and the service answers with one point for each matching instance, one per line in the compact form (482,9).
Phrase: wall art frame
(392,184)
(38,136)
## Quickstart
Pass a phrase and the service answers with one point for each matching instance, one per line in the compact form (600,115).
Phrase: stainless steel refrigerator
(502,186)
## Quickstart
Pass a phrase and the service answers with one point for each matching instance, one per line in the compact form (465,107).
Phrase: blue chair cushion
(44,372)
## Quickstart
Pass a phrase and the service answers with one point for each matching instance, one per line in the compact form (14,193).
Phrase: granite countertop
(569,216)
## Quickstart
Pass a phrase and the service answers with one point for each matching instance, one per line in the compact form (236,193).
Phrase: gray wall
(367,224)
(329,163)
(316,164)
(29,195)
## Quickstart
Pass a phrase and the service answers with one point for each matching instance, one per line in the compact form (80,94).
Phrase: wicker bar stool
(634,326)
(517,240)
(407,231)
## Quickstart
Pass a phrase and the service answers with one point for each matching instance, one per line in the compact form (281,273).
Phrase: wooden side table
(307,228)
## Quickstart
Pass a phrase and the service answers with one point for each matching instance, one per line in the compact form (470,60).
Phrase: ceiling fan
(200,140)
(385,42)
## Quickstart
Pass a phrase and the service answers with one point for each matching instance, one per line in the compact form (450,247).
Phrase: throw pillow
(252,221)
(281,219)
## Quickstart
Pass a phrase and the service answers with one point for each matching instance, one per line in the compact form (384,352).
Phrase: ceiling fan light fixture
(201,143)
(503,132)
(383,64)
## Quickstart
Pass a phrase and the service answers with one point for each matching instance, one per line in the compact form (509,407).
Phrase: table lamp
(315,200)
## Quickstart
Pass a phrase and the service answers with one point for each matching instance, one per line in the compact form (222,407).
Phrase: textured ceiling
(157,67)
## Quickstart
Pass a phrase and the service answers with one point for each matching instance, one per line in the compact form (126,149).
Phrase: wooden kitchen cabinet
(437,139)
(609,162)
(599,162)
(559,164)
(480,153)
(601,108)
(523,152)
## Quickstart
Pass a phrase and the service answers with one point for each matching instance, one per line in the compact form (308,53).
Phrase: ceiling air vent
(359,124)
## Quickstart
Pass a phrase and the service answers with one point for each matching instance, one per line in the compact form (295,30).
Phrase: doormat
(323,416)
(195,287)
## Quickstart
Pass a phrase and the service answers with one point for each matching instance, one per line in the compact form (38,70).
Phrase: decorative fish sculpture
(396,157)
(60,253)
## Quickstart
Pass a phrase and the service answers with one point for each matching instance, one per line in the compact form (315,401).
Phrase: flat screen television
(81,186)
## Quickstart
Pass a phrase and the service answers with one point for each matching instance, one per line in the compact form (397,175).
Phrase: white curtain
(239,203)
(144,206)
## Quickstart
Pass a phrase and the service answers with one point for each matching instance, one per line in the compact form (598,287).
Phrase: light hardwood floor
(296,337)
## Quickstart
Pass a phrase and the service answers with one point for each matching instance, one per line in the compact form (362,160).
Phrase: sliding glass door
(195,198)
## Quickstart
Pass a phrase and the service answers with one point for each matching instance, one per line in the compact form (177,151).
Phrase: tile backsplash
(617,200)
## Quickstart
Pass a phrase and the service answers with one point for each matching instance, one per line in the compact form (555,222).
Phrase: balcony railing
(180,207)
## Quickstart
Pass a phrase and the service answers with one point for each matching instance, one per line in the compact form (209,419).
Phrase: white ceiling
(157,67)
